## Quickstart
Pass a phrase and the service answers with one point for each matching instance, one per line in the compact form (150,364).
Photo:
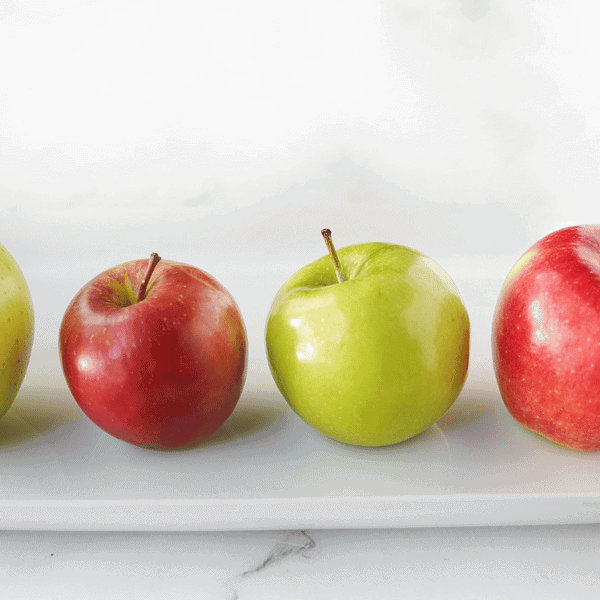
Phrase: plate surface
(266,469)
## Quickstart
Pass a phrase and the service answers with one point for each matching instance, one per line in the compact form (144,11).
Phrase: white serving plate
(266,469)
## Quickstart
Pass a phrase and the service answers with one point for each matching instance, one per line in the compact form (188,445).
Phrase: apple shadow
(36,414)
(251,418)
(473,409)
(258,414)
(474,406)
(480,429)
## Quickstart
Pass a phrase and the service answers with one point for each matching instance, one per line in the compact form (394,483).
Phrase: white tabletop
(534,563)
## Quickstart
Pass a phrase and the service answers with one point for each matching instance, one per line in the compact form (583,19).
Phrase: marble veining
(291,544)
(534,562)
(297,543)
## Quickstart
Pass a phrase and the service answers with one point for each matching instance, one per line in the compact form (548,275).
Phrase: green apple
(16,328)
(372,347)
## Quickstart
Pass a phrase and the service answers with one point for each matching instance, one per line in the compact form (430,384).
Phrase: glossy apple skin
(16,329)
(546,338)
(162,373)
(376,359)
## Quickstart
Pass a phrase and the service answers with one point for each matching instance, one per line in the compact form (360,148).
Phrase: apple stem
(154,259)
(326,233)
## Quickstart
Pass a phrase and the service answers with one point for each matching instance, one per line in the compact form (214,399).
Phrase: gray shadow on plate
(36,414)
(258,414)
(252,417)
(473,407)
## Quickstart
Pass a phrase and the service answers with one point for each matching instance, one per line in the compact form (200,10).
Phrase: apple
(546,338)
(154,353)
(16,329)
(369,345)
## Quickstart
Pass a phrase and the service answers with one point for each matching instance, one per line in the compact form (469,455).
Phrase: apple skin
(162,373)
(376,359)
(16,329)
(546,338)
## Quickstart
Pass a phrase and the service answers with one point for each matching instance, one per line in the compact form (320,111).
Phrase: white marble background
(227,134)
(464,128)
(533,563)
(389,119)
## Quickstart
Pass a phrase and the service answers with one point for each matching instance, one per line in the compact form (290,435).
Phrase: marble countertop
(533,563)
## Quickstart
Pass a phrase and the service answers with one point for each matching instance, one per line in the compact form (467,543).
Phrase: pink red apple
(154,353)
(546,338)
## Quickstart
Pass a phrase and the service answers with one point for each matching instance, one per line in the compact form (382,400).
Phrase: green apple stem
(154,259)
(326,233)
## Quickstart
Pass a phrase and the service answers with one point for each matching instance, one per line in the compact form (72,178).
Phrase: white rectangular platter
(266,469)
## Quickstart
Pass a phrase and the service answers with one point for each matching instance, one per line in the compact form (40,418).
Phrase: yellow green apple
(16,328)
(370,344)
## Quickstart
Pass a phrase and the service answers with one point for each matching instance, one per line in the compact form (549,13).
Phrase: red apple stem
(154,260)
(326,233)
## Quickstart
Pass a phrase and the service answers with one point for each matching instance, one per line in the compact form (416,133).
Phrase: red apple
(154,353)
(546,338)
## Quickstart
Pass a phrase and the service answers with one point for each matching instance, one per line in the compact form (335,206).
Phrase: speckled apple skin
(546,338)
(162,373)
(376,359)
